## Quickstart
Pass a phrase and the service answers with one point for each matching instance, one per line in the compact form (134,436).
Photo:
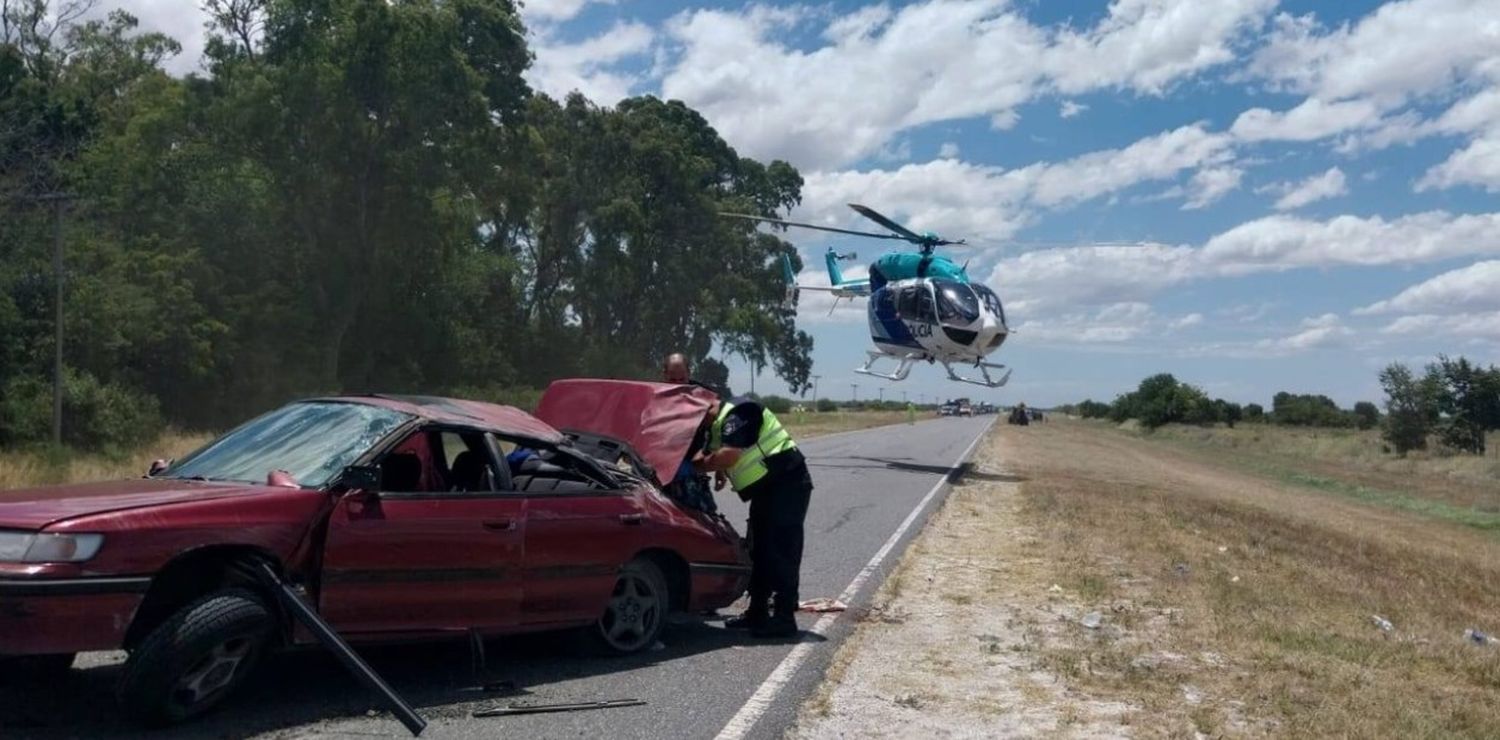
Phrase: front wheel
(192,661)
(637,610)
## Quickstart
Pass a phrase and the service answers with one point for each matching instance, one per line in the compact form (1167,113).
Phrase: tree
(1464,400)
(1091,409)
(1306,410)
(1161,399)
(1410,409)
(1229,413)
(1254,412)
(1366,415)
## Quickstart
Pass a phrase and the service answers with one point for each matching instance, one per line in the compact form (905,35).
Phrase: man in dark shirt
(750,449)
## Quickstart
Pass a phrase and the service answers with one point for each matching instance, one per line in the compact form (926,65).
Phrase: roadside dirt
(1083,582)
(948,648)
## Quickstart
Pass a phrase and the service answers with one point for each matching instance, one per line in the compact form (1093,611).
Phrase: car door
(577,537)
(431,559)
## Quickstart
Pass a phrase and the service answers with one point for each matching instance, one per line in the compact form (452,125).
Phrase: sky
(1253,195)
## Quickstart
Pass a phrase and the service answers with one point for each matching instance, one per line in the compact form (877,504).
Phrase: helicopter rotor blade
(781,222)
(875,216)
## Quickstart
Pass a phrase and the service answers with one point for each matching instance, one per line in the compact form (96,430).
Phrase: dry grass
(1239,602)
(814,424)
(21,469)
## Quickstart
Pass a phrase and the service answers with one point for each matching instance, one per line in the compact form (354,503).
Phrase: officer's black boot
(780,624)
(753,617)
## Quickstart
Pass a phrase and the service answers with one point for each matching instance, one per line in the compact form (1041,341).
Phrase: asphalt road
(703,682)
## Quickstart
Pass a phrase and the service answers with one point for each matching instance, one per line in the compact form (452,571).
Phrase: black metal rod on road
(548,708)
(346,655)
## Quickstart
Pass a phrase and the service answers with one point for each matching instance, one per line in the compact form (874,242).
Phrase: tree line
(354,195)
(1453,400)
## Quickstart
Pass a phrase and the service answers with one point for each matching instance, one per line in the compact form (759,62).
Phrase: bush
(826,405)
(776,404)
(96,416)
(1255,412)
(1160,400)
(1307,410)
(1410,409)
(1092,409)
(1366,415)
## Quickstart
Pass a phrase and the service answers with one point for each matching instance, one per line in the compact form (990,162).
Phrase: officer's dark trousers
(777,512)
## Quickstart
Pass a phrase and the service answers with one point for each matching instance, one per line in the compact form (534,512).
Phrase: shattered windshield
(956,302)
(311,441)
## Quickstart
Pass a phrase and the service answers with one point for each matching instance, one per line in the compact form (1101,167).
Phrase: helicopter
(923,307)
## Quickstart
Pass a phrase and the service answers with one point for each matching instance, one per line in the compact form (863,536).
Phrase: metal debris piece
(294,603)
(1381,622)
(1092,620)
(546,708)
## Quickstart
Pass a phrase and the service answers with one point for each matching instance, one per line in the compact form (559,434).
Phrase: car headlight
(28,547)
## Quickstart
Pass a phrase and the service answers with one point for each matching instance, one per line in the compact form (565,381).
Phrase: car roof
(492,417)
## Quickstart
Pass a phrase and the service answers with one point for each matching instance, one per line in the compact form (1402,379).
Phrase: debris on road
(1056,589)
(1381,622)
(548,708)
(1092,620)
(1479,638)
(821,605)
(309,618)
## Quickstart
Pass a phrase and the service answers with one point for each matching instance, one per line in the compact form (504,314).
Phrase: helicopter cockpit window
(956,302)
(915,304)
(991,301)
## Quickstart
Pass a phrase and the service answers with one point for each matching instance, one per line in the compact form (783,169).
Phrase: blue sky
(1256,196)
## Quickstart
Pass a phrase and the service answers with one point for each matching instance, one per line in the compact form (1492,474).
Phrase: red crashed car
(402,517)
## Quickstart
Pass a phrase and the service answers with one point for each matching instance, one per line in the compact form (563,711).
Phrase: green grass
(1469,517)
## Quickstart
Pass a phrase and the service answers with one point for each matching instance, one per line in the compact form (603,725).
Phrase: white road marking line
(741,723)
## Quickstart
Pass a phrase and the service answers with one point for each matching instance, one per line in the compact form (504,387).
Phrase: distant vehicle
(964,409)
(402,517)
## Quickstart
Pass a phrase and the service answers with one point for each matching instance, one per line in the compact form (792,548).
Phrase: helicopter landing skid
(902,370)
(984,369)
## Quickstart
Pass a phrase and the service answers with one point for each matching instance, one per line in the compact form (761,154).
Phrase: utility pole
(855,387)
(903,398)
(59,202)
(882,396)
(57,321)
(815,391)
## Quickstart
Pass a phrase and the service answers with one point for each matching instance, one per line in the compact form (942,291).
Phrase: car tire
(192,661)
(636,613)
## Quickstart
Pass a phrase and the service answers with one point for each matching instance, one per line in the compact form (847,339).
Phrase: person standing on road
(748,447)
(675,370)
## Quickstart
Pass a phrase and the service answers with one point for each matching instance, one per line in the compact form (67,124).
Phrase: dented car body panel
(528,551)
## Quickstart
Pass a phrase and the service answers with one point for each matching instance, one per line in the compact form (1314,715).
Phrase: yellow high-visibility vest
(751,467)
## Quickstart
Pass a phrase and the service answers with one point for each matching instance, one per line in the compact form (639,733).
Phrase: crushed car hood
(34,508)
(657,420)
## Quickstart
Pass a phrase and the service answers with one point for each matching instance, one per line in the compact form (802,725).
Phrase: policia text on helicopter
(748,447)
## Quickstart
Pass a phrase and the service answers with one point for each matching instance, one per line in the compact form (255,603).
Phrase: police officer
(748,447)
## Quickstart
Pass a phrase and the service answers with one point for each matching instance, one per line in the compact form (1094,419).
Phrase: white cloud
(1188,321)
(1401,50)
(588,66)
(556,10)
(1111,324)
(1311,120)
(1318,332)
(1070,108)
(988,202)
(1477,164)
(934,61)
(1473,325)
(1211,184)
(1100,275)
(949,150)
(1471,289)
(1329,184)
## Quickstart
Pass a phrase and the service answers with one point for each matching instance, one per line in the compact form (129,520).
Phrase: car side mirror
(158,467)
(361,478)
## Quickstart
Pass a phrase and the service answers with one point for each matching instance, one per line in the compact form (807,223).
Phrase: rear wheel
(196,658)
(637,610)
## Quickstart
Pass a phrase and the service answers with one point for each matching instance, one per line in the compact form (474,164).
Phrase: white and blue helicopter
(922,307)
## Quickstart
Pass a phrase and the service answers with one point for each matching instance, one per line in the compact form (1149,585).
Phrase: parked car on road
(401,517)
